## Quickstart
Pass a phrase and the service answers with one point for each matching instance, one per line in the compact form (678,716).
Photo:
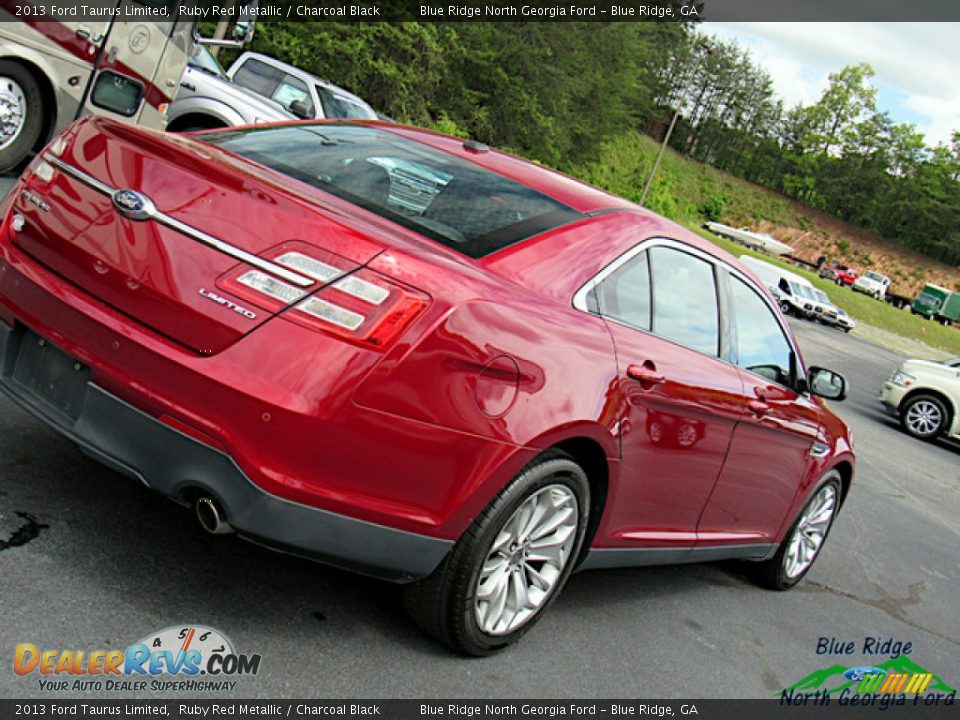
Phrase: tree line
(554,92)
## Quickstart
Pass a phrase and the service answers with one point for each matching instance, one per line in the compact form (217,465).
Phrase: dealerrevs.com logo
(179,658)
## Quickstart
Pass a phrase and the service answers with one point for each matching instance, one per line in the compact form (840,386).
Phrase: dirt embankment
(844,243)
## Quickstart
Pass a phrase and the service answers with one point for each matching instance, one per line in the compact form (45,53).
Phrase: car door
(138,69)
(679,401)
(771,450)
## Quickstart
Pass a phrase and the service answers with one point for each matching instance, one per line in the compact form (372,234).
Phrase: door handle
(188,86)
(645,374)
(85,33)
(758,407)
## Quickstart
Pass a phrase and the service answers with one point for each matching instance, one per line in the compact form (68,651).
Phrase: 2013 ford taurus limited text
(414,357)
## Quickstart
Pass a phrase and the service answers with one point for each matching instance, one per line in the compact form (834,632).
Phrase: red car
(413,357)
(840,274)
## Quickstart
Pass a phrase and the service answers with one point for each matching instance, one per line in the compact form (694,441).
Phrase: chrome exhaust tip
(211,517)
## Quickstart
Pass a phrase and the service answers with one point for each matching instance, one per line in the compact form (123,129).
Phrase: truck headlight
(902,379)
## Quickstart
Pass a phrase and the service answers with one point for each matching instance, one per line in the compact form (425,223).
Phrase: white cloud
(918,61)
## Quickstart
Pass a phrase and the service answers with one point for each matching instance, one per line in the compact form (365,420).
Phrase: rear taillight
(40,172)
(357,305)
(364,307)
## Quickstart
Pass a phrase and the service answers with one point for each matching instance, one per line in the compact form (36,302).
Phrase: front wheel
(923,417)
(785,308)
(511,564)
(804,540)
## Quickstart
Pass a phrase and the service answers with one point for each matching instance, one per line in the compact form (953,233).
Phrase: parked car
(209,99)
(828,313)
(872,283)
(844,321)
(840,274)
(470,393)
(296,90)
(794,292)
(925,395)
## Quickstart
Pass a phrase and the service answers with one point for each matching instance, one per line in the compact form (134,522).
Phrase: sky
(917,64)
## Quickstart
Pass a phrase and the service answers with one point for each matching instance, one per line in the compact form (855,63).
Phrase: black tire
(772,573)
(444,603)
(29,135)
(846,329)
(785,308)
(929,406)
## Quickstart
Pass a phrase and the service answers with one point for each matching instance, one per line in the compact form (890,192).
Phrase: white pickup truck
(872,283)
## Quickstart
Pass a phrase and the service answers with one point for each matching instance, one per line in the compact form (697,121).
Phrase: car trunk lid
(153,226)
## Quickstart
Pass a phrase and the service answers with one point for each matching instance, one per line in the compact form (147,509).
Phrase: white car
(872,283)
(844,321)
(925,395)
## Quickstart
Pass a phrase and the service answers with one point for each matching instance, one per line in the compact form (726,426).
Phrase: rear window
(465,207)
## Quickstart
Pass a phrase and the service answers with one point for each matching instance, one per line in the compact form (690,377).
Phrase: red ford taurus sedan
(416,358)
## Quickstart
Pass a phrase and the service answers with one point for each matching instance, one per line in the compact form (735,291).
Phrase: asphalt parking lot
(92,560)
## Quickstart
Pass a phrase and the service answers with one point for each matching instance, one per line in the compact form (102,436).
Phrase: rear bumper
(170,462)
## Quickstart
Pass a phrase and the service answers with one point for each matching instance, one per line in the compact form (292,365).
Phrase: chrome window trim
(188,230)
(580,297)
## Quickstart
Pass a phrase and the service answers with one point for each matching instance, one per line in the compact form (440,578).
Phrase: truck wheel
(21,114)
(923,417)
(511,564)
(785,308)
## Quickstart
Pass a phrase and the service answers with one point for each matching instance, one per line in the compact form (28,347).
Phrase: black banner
(493,11)
(799,708)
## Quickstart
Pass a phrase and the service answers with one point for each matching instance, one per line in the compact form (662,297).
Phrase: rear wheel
(511,564)
(805,539)
(923,416)
(21,114)
(785,308)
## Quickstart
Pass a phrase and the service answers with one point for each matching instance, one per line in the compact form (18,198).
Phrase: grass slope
(688,191)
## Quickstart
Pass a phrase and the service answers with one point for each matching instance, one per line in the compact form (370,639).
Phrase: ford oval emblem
(133,204)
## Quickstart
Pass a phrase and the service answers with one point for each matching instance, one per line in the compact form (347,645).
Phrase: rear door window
(685,307)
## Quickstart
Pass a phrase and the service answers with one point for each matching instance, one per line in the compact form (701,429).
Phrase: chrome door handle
(645,374)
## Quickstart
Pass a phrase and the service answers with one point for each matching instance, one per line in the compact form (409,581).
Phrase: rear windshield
(464,206)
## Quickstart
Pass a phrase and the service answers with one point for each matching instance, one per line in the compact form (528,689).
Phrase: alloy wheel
(924,418)
(526,559)
(810,532)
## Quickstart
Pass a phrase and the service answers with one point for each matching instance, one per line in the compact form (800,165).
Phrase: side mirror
(826,383)
(242,32)
(299,108)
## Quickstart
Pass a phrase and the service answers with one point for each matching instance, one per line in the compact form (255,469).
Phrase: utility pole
(673,123)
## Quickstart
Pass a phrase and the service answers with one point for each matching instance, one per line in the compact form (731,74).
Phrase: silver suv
(207,99)
(295,90)
(261,90)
